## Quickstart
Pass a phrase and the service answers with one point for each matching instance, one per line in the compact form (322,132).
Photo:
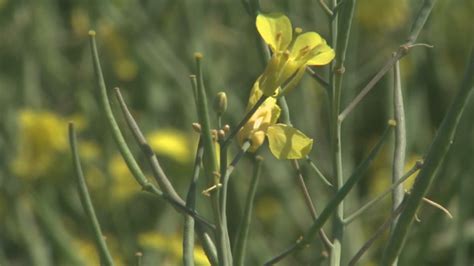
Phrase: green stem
(119,139)
(241,239)
(400,142)
(334,202)
(418,24)
(377,234)
(107,110)
(105,256)
(388,191)
(310,206)
(285,118)
(210,164)
(244,120)
(341,27)
(434,159)
(318,172)
(170,194)
(188,232)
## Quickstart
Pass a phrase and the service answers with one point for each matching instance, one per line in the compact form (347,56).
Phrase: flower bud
(220,103)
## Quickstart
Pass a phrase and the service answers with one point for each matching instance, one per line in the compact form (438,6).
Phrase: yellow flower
(41,138)
(124,185)
(172,143)
(285,142)
(170,247)
(290,56)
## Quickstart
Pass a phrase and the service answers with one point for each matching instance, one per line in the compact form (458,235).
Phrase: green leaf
(287,142)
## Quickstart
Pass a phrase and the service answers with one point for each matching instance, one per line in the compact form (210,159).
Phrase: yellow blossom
(41,138)
(170,247)
(124,185)
(290,55)
(171,143)
(285,142)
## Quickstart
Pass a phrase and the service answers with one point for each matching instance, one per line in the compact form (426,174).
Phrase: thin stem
(157,171)
(228,172)
(210,163)
(387,192)
(105,256)
(318,78)
(400,141)
(370,85)
(318,172)
(188,232)
(285,118)
(116,133)
(419,22)
(334,202)
(341,25)
(244,120)
(434,159)
(326,8)
(244,227)
(309,204)
(376,235)
(439,206)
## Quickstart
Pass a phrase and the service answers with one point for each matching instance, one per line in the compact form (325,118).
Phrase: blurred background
(146,48)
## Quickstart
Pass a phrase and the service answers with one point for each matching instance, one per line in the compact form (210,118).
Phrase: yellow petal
(276,30)
(255,94)
(294,81)
(323,57)
(287,142)
(305,41)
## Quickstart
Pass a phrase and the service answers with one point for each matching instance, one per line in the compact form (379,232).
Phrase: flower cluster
(290,57)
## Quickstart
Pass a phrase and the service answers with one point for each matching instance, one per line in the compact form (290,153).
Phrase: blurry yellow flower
(89,150)
(41,137)
(126,69)
(80,22)
(171,247)
(124,185)
(412,160)
(290,56)
(88,252)
(382,15)
(285,142)
(172,143)
(382,178)
(267,209)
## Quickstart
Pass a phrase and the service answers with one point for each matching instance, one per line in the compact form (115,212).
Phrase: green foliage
(146,48)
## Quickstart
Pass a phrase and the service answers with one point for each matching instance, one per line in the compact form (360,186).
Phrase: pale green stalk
(210,165)
(116,133)
(377,199)
(334,202)
(400,144)
(341,27)
(434,159)
(244,227)
(105,256)
(416,28)
(285,118)
(376,234)
(318,172)
(188,232)
(161,178)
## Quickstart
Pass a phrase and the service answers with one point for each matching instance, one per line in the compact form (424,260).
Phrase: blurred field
(146,48)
